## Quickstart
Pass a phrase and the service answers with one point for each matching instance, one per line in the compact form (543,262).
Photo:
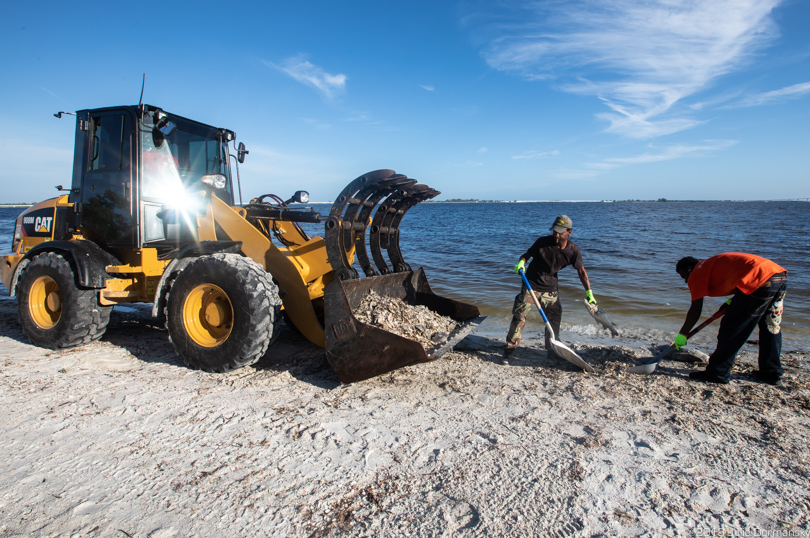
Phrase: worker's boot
(707,377)
(770,379)
(507,353)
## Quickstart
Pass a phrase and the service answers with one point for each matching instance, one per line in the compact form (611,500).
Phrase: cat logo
(43,224)
(38,224)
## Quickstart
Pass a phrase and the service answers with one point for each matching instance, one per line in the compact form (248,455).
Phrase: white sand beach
(119,438)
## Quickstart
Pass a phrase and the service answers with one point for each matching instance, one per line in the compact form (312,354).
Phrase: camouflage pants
(549,300)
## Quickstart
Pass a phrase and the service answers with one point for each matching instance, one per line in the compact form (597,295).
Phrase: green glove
(520,265)
(680,341)
(589,296)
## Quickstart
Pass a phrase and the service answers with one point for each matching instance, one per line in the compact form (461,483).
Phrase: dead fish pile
(416,323)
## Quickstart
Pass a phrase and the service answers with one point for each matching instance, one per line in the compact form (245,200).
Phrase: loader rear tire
(54,312)
(222,312)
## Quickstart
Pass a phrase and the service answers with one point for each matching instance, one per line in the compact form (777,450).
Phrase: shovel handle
(534,298)
(693,332)
(718,314)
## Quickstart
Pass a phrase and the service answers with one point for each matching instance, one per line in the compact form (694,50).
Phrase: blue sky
(527,100)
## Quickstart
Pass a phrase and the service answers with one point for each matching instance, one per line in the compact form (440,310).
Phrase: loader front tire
(54,312)
(222,312)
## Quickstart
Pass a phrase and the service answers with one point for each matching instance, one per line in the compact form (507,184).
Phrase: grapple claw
(346,225)
(398,204)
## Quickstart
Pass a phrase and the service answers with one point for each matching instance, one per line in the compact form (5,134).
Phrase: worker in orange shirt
(757,286)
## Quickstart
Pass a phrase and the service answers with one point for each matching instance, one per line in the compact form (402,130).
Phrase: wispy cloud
(317,124)
(775,96)
(654,155)
(428,87)
(50,92)
(640,58)
(358,116)
(301,69)
(668,153)
(321,175)
(572,175)
(536,154)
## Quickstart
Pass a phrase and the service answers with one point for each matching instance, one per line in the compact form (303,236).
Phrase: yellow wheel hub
(45,302)
(208,315)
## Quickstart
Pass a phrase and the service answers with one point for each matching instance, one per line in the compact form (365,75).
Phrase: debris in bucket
(417,323)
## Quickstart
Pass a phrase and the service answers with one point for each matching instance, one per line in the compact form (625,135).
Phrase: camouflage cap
(561,224)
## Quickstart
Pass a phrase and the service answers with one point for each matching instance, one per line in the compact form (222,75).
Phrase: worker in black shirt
(549,254)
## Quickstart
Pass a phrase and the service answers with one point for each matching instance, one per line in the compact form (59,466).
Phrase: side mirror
(165,126)
(241,152)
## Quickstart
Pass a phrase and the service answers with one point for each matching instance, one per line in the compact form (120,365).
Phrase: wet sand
(119,438)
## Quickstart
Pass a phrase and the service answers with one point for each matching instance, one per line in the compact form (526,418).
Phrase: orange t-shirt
(723,274)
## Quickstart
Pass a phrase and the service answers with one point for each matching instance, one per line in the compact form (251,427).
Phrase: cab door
(106,191)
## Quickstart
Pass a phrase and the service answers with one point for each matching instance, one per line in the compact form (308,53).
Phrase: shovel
(647,365)
(556,346)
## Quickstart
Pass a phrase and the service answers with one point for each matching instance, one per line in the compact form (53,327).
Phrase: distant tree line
(477,201)
(466,200)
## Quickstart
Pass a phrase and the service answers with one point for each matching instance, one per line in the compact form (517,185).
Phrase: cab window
(106,149)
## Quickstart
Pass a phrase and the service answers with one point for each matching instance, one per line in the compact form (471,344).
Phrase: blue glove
(679,342)
(520,265)
(589,296)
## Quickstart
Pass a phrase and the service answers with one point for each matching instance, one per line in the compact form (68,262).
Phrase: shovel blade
(642,368)
(570,355)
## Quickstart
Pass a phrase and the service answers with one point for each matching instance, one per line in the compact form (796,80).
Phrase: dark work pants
(745,313)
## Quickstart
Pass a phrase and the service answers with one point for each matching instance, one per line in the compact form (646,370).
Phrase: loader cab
(140,175)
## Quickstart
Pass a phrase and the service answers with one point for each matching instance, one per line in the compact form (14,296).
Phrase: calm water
(629,249)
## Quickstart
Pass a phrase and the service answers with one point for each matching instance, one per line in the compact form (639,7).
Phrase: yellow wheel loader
(150,217)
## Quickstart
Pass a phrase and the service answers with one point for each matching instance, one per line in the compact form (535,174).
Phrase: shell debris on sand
(394,315)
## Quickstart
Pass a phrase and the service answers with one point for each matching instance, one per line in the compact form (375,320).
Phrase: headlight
(218,181)
(17,237)
(300,197)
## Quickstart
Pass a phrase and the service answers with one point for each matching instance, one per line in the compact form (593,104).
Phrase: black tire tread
(83,319)
(263,304)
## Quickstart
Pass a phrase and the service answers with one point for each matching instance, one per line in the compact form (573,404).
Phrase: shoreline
(120,436)
(495,328)
(474,201)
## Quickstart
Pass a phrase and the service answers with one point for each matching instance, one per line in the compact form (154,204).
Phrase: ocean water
(629,250)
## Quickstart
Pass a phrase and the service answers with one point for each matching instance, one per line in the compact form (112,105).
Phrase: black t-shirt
(547,258)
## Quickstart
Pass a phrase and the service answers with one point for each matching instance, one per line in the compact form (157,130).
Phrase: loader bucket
(357,350)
